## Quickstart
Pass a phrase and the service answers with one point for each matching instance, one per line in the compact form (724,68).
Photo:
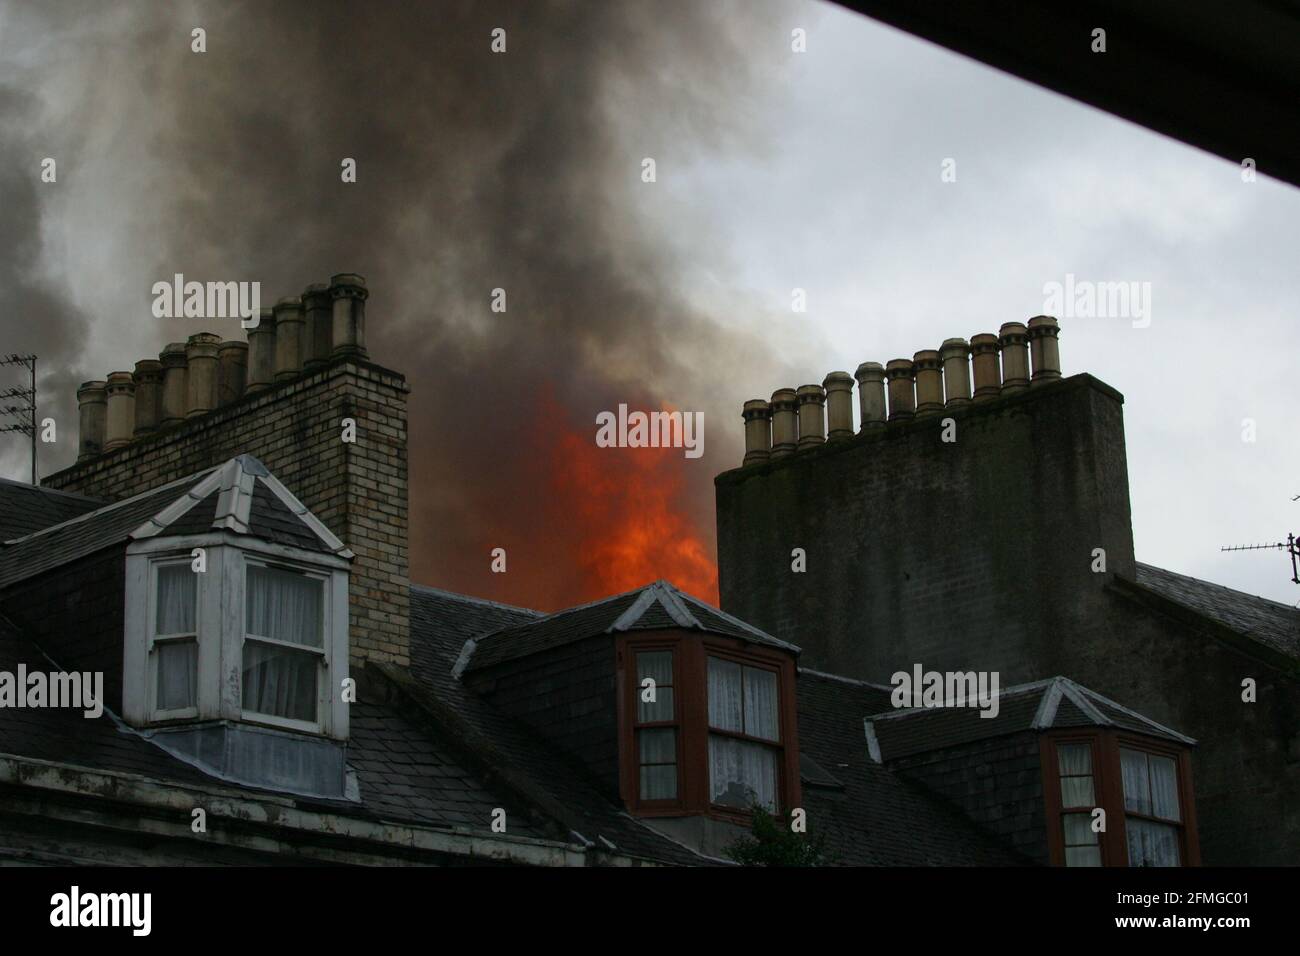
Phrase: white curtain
(279,681)
(284,605)
(658,666)
(724,695)
(1075,765)
(1137,788)
(1151,844)
(178,666)
(741,772)
(1164,787)
(176,599)
(760,704)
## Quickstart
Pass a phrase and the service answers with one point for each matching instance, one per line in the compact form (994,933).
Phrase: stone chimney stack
(121,410)
(348,292)
(812,416)
(93,414)
(929,382)
(758,431)
(955,355)
(175,373)
(148,396)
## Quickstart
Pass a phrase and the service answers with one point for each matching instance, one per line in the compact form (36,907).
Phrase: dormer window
(718,737)
(284,643)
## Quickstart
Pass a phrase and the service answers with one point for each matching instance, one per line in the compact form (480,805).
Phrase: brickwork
(359,490)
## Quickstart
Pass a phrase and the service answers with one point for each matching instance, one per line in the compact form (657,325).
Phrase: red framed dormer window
(720,734)
(1143,783)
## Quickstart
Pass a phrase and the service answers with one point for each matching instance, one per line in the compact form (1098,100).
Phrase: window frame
(690,701)
(1108,791)
(220,622)
(158,714)
(638,725)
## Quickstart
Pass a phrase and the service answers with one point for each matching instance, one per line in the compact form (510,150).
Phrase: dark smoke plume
(476,171)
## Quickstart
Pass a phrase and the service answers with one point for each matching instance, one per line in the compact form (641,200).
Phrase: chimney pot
(785,428)
(1014,339)
(929,382)
(121,410)
(349,294)
(871,394)
(758,431)
(232,372)
(955,355)
(175,372)
(318,326)
(839,405)
(902,400)
(261,352)
(148,396)
(92,411)
(984,362)
(1044,348)
(201,379)
(288,338)
(812,416)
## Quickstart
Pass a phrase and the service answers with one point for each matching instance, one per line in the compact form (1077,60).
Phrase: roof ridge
(1127,710)
(1215,584)
(471,599)
(114,505)
(813,672)
(567,610)
(729,618)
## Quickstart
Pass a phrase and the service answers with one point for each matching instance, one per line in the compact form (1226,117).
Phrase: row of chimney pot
(299,335)
(929,382)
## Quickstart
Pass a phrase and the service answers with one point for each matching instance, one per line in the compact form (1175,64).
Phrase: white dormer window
(250,629)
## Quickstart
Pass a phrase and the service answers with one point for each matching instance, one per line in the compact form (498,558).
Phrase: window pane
(178,672)
(1151,844)
(1078,829)
(659,783)
(1074,759)
(1137,789)
(177,588)
(279,681)
(1076,792)
(284,605)
(1083,856)
(658,666)
(658,746)
(724,695)
(741,773)
(1164,787)
(760,704)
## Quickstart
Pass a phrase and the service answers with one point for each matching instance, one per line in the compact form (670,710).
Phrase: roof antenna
(1290,546)
(27,409)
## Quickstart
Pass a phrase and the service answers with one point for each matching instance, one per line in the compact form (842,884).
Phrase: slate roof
(26,508)
(441,622)
(240,495)
(1271,623)
(404,774)
(875,817)
(1041,705)
(652,607)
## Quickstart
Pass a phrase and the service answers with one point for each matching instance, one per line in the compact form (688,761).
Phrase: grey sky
(827,177)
